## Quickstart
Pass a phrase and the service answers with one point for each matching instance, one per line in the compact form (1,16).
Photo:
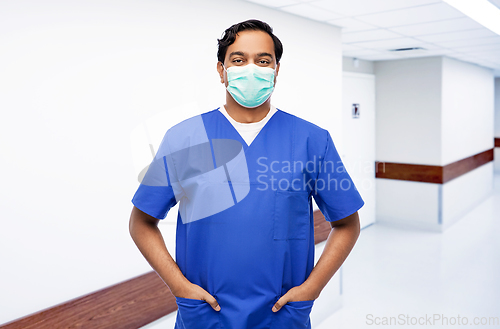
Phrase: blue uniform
(245,229)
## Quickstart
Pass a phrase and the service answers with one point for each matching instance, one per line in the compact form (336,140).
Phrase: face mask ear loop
(224,70)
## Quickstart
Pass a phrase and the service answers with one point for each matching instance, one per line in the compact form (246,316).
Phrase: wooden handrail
(432,174)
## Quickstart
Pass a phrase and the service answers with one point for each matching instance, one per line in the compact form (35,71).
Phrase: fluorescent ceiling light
(482,11)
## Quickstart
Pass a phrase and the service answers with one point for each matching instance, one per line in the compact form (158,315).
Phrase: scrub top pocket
(291,215)
(294,315)
(196,314)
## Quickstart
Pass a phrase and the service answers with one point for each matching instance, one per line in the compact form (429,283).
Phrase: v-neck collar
(235,131)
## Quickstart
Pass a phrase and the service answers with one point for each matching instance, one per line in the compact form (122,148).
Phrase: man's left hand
(299,293)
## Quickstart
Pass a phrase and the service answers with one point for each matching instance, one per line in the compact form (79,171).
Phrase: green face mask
(250,85)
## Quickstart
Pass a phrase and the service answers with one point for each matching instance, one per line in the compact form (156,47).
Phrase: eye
(237,61)
(263,61)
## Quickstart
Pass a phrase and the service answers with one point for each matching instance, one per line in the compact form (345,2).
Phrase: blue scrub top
(245,228)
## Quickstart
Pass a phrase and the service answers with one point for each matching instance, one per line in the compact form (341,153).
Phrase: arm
(146,235)
(339,244)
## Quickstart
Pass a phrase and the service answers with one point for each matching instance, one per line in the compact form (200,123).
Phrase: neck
(246,115)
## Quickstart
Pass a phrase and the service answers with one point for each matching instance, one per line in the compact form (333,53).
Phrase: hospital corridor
(250,164)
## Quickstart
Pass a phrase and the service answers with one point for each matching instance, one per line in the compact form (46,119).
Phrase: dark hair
(229,37)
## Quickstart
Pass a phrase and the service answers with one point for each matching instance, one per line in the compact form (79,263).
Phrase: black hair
(229,37)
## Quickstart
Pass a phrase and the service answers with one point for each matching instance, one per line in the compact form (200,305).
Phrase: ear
(276,74)
(220,69)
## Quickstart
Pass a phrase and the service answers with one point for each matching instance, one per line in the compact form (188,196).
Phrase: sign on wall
(355,111)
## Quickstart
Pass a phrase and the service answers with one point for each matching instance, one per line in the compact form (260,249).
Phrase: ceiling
(372,28)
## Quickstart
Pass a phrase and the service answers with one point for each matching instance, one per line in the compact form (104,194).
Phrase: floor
(401,278)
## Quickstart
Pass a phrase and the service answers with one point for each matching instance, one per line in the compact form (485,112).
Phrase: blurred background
(409,90)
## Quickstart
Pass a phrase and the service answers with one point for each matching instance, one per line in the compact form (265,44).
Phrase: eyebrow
(264,54)
(240,53)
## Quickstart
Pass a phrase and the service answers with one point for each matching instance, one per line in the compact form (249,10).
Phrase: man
(244,175)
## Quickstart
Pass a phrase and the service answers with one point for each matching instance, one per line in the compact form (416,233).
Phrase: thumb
(279,304)
(213,302)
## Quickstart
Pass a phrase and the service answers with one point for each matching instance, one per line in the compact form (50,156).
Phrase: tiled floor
(409,274)
(421,276)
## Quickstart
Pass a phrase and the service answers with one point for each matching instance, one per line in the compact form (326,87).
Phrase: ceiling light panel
(482,11)
(414,15)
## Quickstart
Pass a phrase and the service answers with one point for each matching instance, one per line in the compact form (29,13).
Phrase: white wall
(76,78)
(432,111)
(467,110)
(463,193)
(496,154)
(408,107)
(467,129)
(408,204)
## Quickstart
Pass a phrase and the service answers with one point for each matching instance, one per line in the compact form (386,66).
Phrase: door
(358,137)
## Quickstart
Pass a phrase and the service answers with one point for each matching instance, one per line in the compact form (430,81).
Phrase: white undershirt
(248,131)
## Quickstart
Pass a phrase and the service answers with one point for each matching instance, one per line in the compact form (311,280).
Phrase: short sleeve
(334,191)
(155,194)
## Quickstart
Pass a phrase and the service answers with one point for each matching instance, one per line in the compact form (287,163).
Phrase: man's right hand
(146,235)
(194,291)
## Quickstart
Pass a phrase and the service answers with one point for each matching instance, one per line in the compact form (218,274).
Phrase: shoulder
(304,127)
(308,135)
(188,132)
(192,122)
(192,125)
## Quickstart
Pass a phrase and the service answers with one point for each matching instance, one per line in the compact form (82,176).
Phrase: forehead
(252,42)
